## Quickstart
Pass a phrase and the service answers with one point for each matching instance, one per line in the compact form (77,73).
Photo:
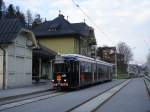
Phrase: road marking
(19,103)
(97,101)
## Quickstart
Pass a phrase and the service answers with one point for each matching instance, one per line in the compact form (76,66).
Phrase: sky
(114,21)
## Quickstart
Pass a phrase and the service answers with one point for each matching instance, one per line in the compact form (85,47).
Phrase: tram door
(74,74)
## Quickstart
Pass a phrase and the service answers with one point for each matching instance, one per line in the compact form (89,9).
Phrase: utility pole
(128,69)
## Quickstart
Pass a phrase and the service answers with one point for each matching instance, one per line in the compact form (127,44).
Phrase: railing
(147,83)
(147,77)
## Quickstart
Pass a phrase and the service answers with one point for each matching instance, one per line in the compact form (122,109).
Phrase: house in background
(106,54)
(110,55)
(66,38)
(16,44)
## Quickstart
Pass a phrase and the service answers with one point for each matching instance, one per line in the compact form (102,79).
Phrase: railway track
(93,103)
(28,99)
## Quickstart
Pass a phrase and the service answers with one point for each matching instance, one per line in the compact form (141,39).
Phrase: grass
(121,76)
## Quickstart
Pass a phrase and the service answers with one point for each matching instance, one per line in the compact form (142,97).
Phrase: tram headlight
(65,80)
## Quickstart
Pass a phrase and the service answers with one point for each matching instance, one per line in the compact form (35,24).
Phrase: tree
(124,49)
(1,1)
(20,15)
(37,20)
(29,18)
(11,12)
(148,63)
(2,8)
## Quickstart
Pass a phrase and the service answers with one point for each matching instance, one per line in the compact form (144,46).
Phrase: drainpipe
(4,67)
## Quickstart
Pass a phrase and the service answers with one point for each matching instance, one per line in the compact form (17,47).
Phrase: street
(131,98)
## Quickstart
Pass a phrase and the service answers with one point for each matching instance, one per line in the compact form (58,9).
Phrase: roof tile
(9,29)
(60,26)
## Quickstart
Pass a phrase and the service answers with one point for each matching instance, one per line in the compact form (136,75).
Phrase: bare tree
(148,64)
(29,18)
(124,49)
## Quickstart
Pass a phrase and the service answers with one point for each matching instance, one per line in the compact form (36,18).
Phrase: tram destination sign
(59,59)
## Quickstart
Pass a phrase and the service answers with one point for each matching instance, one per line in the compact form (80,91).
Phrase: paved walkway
(132,98)
(24,91)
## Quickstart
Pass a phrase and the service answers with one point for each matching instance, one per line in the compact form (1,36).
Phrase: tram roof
(78,57)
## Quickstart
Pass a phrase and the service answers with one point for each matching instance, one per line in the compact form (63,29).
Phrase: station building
(66,38)
(16,44)
(23,60)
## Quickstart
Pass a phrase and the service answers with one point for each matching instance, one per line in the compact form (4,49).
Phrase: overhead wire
(84,13)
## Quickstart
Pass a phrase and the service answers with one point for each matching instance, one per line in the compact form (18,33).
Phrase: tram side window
(105,70)
(101,69)
(86,67)
(73,66)
(93,66)
(68,66)
(82,67)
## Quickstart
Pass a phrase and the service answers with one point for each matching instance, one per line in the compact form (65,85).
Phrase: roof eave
(61,35)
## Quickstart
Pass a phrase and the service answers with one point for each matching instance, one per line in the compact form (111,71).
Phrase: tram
(74,71)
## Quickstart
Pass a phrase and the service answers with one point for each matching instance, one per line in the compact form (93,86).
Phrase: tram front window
(59,67)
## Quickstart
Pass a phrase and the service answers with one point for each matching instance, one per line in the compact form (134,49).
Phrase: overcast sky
(121,20)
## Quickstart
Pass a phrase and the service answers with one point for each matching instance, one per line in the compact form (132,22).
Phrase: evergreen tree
(11,12)
(1,3)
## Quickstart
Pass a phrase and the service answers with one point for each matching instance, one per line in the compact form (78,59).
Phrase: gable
(30,38)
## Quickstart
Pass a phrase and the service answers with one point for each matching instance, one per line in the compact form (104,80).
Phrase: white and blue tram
(75,71)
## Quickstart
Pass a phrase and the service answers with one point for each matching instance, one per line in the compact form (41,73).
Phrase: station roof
(43,52)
